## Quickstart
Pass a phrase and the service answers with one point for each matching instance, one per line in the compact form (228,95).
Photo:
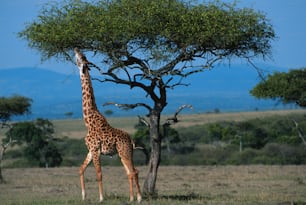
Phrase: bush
(245,157)
(73,151)
(284,154)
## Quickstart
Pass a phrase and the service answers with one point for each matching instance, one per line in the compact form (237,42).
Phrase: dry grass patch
(176,185)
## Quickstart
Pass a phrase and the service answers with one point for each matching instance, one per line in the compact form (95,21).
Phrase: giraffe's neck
(88,98)
(90,110)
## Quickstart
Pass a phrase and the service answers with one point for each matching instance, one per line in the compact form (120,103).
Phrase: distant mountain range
(55,94)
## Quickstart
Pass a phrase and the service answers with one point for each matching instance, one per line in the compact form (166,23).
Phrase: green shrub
(245,157)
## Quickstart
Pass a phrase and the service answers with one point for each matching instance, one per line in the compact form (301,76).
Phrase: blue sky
(287,17)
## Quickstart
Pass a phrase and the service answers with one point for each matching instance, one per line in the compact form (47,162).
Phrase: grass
(175,185)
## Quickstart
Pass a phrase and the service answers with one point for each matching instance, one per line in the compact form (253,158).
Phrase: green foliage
(142,139)
(172,140)
(161,28)
(253,133)
(13,106)
(73,151)
(38,140)
(141,136)
(287,87)
(272,140)
(266,141)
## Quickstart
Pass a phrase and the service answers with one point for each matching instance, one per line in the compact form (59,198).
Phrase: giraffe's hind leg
(137,185)
(132,174)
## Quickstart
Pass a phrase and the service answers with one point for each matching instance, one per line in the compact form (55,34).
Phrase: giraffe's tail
(134,145)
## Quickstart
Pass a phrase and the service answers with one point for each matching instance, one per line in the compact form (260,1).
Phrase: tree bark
(1,156)
(155,140)
(2,151)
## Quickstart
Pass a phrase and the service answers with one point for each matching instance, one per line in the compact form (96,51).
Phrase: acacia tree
(13,106)
(37,136)
(151,45)
(9,107)
(286,87)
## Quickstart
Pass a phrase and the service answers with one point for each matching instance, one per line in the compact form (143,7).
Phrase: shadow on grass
(179,197)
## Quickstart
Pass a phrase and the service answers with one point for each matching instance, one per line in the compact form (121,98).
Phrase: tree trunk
(155,140)
(2,151)
(1,157)
(1,177)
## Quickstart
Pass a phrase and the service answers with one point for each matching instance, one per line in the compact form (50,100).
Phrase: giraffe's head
(81,61)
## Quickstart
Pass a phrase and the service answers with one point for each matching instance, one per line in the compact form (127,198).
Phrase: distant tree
(216,110)
(108,112)
(9,107)
(39,141)
(68,114)
(150,45)
(13,106)
(287,87)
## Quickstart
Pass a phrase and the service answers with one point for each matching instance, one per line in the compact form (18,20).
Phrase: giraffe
(101,137)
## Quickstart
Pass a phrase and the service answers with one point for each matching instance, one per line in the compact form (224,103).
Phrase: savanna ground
(176,185)
(254,184)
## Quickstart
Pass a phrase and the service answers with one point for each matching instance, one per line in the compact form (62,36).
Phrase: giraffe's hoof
(101,199)
(83,195)
(139,198)
(131,199)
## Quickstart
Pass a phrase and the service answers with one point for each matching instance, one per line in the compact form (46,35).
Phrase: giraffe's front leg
(82,170)
(96,161)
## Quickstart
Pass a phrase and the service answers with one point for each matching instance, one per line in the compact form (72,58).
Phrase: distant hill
(54,94)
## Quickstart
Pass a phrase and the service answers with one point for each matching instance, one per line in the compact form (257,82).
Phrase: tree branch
(167,69)
(174,118)
(300,132)
(129,106)
(144,121)
(5,146)
(4,124)
(259,71)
